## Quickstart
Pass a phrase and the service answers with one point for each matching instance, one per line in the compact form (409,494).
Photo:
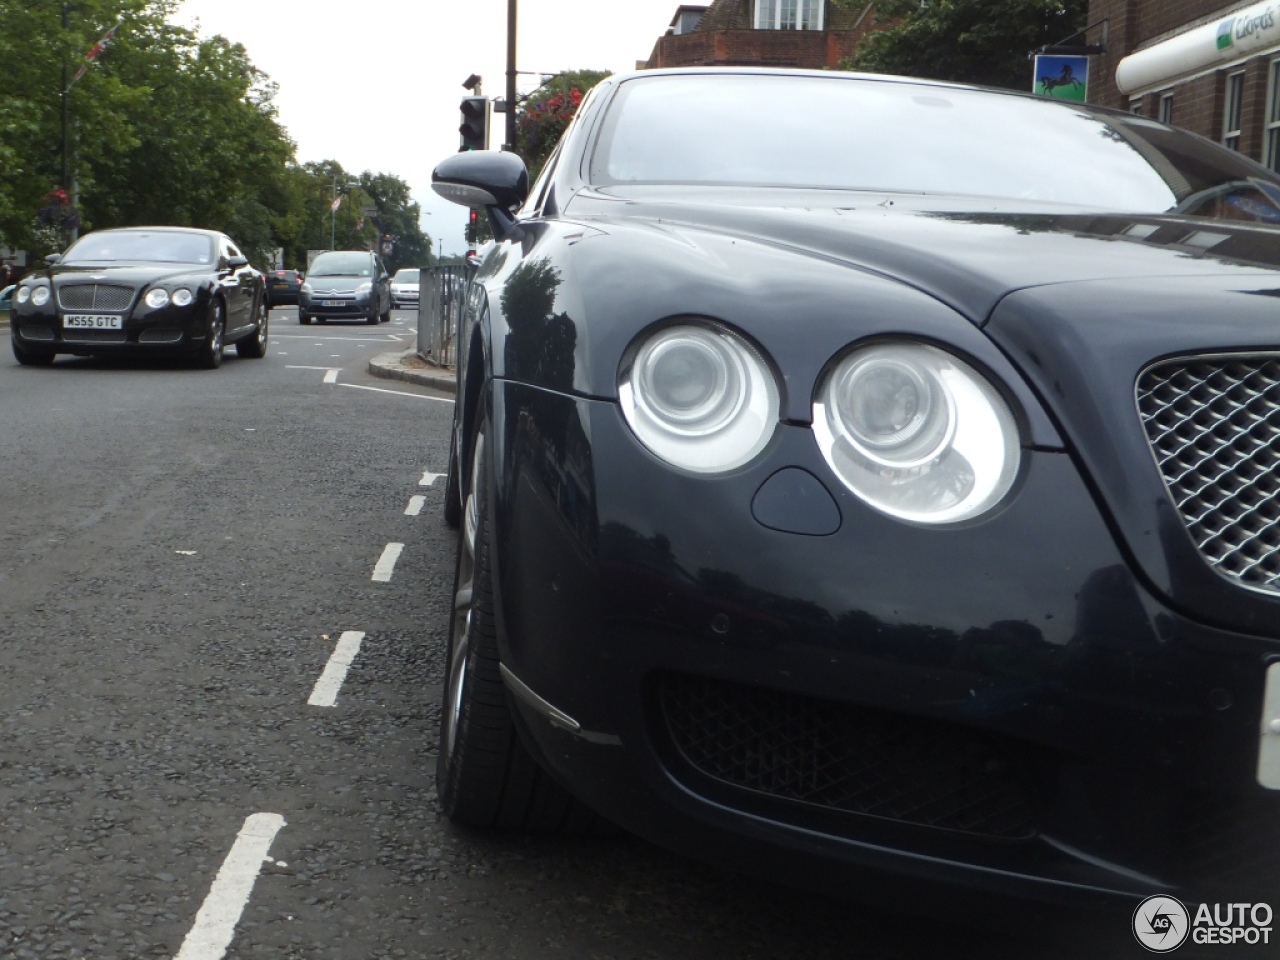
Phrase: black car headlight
(699,396)
(38,296)
(916,432)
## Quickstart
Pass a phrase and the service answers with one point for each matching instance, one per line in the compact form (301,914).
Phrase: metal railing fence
(442,290)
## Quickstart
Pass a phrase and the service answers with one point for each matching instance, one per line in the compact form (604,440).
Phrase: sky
(375,84)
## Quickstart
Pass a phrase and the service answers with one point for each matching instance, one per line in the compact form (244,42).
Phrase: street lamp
(333,209)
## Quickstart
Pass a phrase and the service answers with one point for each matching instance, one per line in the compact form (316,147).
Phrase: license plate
(333,303)
(86,321)
(1269,751)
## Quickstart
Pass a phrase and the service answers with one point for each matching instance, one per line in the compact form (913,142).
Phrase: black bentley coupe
(874,482)
(142,290)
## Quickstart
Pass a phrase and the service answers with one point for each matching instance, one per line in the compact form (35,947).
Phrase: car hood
(126,274)
(335,284)
(970,259)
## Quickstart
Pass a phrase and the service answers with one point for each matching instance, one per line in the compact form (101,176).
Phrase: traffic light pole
(511,77)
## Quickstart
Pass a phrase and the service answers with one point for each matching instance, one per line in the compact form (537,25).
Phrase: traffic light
(475,124)
(473,225)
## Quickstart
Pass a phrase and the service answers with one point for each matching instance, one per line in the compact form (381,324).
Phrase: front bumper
(167,329)
(336,307)
(1003,705)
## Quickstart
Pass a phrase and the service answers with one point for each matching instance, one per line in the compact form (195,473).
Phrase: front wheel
(303,318)
(210,355)
(452,488)
(255,347)
(31,358)
(485,776)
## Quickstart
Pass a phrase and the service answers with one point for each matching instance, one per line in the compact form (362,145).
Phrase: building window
(1231,109)
(789,14)
(1271,142)
(1166,107)
(1135,106)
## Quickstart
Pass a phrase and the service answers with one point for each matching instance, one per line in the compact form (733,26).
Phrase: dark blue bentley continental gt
(142,291)
(865,477)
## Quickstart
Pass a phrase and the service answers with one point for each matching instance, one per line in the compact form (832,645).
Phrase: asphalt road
(182,554)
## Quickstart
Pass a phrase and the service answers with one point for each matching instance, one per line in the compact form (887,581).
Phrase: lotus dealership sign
(1246,32)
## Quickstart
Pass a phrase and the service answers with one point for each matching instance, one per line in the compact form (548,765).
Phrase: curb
(411,368)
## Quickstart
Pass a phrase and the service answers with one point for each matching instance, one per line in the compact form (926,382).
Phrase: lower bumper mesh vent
(847,759)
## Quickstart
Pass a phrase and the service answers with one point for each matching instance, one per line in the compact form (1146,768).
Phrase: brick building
(1207,65)
(775,33)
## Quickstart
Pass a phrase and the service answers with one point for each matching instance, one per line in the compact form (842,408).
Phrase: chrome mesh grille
(94,296)
(1214,426)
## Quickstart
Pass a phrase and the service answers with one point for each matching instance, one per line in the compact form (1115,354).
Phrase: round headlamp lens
(691,381)
(156,298)
(916,432)
(183,297)
(699,396)
(40,296)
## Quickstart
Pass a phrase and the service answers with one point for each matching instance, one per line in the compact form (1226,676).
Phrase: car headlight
(24,294)
(183,297)
(156,298)
(916,432)
(363,288)
(305,288)
(699,396)
(39,296)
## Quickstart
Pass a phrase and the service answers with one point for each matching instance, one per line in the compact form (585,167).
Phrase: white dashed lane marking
(326,689)
(415,506)
(429,479)
(216,922)
(386,564)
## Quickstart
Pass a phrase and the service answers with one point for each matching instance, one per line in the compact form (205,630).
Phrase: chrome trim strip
(557,717)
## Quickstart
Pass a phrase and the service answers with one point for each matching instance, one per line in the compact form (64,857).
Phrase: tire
(304,319)
(485,777)
(373,314)
(452,489)
(210,353)
(31,358)
(255,347)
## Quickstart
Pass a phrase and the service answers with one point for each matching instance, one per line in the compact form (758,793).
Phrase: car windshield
(406,276)
(341,265)
(142,246)
(885,136)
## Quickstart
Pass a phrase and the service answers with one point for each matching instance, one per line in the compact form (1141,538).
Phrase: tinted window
(342,265)
(141,245)
(883,136)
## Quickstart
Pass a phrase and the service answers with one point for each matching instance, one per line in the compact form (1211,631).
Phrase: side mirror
(235,263)
(53,258)
(494,180)
(482,178)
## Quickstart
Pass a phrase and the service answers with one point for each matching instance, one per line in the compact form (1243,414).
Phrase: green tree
(398,218)
(968,41)
(544,115)
(41,56)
